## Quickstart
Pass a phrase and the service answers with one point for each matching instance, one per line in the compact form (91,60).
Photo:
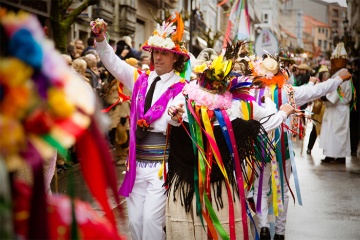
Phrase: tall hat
(168,37)
(339,51)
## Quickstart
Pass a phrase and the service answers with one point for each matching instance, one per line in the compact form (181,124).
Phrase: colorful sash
(137,117)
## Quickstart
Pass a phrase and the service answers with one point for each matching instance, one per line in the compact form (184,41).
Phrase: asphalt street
(330,196)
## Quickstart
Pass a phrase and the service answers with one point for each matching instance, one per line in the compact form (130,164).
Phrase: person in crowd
(80,65)
(123,50)
(118,111)
(354,111)
(285,163)
(152,94)
(145,59)
(135,52)
(304,74)
(90,46)
(294,74)
(79,47)
(318,110)
(71,51)
(67,59)
(92,72)
(335,134)
(195,178)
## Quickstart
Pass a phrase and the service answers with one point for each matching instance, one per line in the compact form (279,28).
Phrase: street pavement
(330,196)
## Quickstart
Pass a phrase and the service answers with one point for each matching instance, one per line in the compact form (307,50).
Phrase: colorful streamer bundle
(45,106)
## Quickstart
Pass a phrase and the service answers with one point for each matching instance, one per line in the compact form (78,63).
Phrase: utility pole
(191,26)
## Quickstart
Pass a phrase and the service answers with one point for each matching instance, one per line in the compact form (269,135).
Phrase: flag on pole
(238,27)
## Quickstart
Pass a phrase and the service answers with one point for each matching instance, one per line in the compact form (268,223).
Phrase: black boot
(279,237)
(265,233)
(327,160)
(339,161)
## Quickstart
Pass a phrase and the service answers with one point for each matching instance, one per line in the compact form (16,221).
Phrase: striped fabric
(151,148)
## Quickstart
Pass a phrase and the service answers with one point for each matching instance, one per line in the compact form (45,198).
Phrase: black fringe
(251,139)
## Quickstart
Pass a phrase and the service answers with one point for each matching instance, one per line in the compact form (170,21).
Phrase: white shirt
(125,74)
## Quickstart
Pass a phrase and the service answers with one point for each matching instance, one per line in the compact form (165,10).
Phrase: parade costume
(45,107)
(212,158)
(277,174)
(143,183)
(335,128)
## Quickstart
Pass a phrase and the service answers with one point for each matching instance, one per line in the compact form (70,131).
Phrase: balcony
(104,10)
(127,20)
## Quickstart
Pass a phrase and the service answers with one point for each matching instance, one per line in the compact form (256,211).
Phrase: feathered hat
(168,37)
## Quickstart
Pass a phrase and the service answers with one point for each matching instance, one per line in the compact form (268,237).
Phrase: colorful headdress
(168,36)
(215,77)
(268,71)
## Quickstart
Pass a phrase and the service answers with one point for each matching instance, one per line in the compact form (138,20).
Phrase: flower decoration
(268,71)
(168,36)
(98,26)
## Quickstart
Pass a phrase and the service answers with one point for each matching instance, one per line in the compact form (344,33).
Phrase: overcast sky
(341,2)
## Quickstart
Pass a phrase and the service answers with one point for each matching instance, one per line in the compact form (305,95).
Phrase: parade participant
(272,77)
(335,134)
(205,198)
(318,110)
(142,187)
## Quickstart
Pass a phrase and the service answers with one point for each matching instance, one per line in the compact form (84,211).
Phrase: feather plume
(177,36)
(165,30)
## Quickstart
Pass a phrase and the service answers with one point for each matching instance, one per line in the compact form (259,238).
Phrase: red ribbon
(97,167)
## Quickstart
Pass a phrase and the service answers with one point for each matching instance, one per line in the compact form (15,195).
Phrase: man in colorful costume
(143,186)
(211,155)
(275,176)
(335,128)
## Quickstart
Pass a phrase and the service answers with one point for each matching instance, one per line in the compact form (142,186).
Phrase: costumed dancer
(318,109)
(45,107)
(335,128)
(272,77)
(210,155)
(152,94)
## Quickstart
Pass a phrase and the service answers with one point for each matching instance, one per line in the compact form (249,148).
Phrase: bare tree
(61,22)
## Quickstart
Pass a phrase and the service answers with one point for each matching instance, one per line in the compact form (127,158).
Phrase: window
(319,43)
(336,13)
(319,30)
(325,44)
(335,24)
(265,18)
(326,32)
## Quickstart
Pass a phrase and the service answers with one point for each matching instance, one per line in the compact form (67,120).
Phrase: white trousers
(280,220)
(146,204)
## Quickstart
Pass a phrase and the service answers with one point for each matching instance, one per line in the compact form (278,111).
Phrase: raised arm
(307,93)
(117,67)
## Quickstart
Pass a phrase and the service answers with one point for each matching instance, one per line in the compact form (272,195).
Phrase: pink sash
(137,117)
